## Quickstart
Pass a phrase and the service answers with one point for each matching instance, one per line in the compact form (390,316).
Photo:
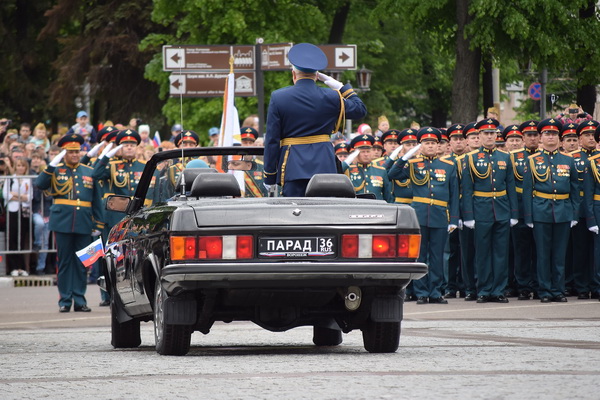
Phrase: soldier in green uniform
(453,265)
(378,151)
(366,176)
(582,239)
(73,215)
(436,203)
(401,188)
(551,203)
(489,207)
(122,175)
(522,235)
(253,180)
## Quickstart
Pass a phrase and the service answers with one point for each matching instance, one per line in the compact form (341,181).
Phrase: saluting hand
(95,150)
(56,160)
(395,153)
(106,150)
(112,153)
(329,81)
(409,154)
(352,156)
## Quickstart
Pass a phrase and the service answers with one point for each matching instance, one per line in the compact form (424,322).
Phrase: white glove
(352,156)
(513,222)
(112,153)
(268,187)
(106,150)
(56,160)
(395,153)
(594,229)
(460,224)
(530,225)
(411,152)
(451,228)
(329,81)
(573,223)
(96,233)
(469,224)
(95,150)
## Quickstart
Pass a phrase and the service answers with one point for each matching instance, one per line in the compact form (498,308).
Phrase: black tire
(124,335)
(171,340)
(381,337)
(326,336)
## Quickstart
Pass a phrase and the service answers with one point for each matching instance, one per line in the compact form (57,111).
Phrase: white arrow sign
(177,84)
(175,58)
(345,57)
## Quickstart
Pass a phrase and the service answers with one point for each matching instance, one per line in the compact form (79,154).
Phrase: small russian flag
(91,253)
(156,140)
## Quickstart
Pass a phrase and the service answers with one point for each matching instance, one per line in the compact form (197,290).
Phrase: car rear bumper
(289,274)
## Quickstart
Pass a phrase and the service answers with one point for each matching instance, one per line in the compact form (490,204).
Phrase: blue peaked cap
(307,57)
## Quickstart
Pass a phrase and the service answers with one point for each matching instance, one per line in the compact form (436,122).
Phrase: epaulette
(87,166)
(502,151)
(565,154)
(414,160)
(111,161)
(460,157)
(447,161)
(142,161)
(473,152)
(594,156)
(259,161)
(378,159)
(378,166)
(517,150)
(575,153)
(537,153)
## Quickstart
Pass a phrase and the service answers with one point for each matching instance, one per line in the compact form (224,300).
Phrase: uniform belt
(430,201)
(404,200)
(551,196)
(304,140)
(519,190)
(76,203)
(597,197)
(490,194)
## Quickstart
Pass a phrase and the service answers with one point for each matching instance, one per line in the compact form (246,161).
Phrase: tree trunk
(338,24)
(465,87)
(488,84)
(586,94)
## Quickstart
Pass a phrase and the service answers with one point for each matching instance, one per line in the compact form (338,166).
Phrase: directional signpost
(211,84)
(207,58)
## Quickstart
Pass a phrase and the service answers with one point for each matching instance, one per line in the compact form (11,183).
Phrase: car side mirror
(118,203)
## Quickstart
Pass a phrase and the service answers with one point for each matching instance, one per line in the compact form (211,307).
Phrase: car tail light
(226,247)
(380,246)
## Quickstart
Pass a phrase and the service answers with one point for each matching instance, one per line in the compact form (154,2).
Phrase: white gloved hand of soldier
(267,186)
(106,150)
(469,224)
(96,233)
(395,153)
(329,81)
(112,153)
(352,156)
(56,160)
(95,150)
(530,225)
(451,228)
(513,222)
(593,229)
(460,224)
(409,154)
(573,223)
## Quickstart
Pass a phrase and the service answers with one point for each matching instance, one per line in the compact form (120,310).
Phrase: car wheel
(123,334)
(381,337)
(326,336)
(170,339)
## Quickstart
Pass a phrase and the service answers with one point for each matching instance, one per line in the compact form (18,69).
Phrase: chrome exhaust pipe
(353,298)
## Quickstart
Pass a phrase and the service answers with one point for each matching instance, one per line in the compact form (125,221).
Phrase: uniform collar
(71,166)
(589,152)
(363,165)
(486,150)
(550,153)
(429,158)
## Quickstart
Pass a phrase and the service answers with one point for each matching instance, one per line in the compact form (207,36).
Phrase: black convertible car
(209,250)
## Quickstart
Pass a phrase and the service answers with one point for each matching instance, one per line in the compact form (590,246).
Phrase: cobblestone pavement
(514,351)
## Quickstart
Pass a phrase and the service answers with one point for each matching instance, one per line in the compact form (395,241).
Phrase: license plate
(297,247)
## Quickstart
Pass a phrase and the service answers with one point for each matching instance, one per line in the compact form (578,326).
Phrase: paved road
(460,350)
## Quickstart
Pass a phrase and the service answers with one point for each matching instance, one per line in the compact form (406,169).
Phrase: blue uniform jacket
(519,162)
(488,186)
(76,207)
(300,111)
(434,187)
(581,164)
(550,188)
(591,199)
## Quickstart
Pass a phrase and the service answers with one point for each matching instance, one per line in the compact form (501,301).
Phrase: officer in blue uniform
(301,118)
(592,200)
(582,239)
(551,204)
(436,203)
(73,215)
(489,207)
(522,235)
(365,175)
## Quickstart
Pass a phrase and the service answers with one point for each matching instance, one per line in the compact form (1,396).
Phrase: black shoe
(462,294)
(559,299)
(438,300)
(595,296)
(483,299)
(510,293)
(570,292)
(524,295)
(471,297)
(64,309)
(104,303)
(450,295)
(535,296)
(422,300)
(83,308)
(545,299)
(583,296)
(498,299)
(410,297)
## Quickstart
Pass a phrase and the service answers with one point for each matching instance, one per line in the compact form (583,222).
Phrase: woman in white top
(17,193)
